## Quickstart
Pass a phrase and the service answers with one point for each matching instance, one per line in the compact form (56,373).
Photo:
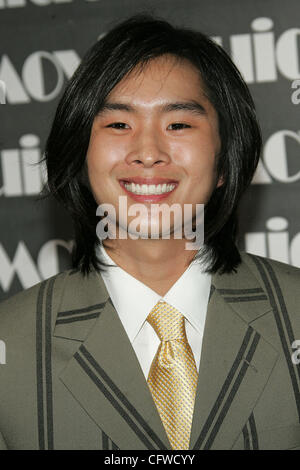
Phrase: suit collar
(83,299)
(105,377)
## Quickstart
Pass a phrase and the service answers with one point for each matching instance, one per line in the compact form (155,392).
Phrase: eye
(118,125)
(177,126)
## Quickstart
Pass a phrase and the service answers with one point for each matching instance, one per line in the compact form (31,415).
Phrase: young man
(147,344)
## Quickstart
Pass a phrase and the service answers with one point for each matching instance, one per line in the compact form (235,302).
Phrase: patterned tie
(173,375)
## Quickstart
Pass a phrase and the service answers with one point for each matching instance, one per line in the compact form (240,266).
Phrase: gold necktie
(173,375)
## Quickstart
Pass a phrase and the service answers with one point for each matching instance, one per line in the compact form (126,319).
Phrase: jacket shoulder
(280,281)
(266,269)
(19,311)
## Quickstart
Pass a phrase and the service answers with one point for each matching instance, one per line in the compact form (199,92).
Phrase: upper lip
(148,180)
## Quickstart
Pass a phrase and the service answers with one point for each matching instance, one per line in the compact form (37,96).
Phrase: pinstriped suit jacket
(72,380)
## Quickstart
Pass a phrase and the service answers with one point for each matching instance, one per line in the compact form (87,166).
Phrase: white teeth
(149,189)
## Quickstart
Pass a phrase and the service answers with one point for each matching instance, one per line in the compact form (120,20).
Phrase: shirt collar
(133,300)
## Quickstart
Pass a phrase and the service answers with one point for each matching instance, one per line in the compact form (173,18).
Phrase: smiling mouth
(148,189)
(148,192)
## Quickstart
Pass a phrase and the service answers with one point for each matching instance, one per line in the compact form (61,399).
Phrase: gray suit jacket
(72,380)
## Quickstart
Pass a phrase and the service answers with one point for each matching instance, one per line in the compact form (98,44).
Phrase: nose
(148,150)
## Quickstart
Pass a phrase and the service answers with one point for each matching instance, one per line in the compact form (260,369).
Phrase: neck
(156,263)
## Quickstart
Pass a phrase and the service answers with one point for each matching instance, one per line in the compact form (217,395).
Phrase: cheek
(198,160)
(102,156)
(199,165)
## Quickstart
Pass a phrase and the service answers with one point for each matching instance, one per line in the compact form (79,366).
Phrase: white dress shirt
(133,302)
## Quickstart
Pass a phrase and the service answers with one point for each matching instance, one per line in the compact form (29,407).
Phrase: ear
(220,182)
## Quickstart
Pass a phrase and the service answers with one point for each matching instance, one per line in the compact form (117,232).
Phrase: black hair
(134,42)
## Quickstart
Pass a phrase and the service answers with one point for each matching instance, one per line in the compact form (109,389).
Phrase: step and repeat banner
(41,45)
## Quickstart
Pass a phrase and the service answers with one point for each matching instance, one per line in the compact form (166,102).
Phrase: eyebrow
(191,106)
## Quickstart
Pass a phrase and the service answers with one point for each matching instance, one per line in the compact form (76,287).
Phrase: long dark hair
(135,42)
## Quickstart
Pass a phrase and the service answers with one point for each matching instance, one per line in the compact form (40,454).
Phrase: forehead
(166,77)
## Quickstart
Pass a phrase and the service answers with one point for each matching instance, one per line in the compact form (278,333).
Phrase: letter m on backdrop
(2,92)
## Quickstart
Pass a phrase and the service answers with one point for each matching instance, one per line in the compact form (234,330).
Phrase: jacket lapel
(236,361)
(104,374)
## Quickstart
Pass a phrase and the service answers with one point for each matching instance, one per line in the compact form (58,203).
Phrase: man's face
(157,128)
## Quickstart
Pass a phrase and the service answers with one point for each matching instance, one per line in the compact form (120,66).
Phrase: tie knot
(167,321)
